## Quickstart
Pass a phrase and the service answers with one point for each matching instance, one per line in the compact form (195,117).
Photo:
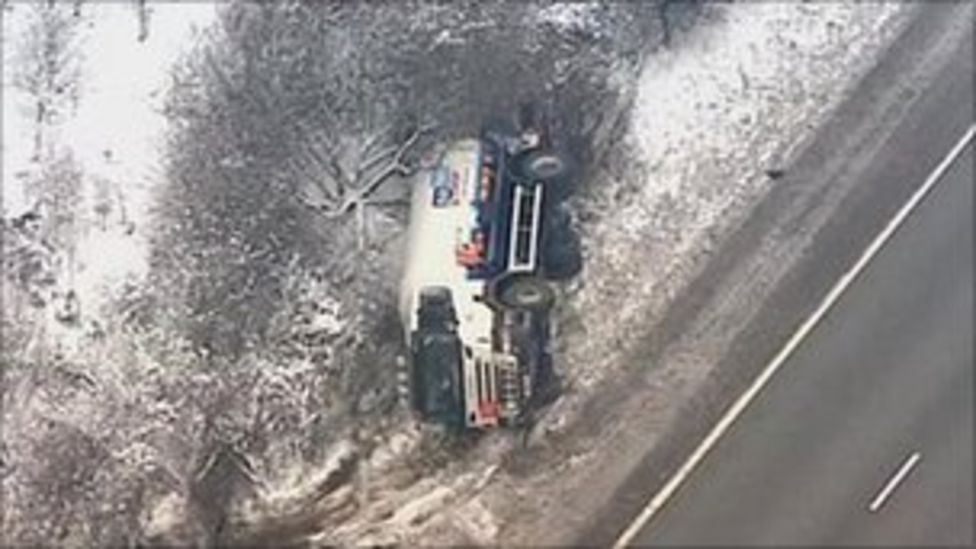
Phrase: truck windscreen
(437,370)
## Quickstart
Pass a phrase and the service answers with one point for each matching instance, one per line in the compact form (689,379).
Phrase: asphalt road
(864,162)
(888,373)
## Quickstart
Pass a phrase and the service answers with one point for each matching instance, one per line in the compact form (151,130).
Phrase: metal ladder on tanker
(523,243)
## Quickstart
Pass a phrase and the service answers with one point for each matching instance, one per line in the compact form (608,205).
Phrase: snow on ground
(569,16)
(739,95)
(736,96)
(728,102)
(116,131)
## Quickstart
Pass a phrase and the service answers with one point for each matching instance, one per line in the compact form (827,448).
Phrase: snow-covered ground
(116,129)
(110,124)
(736,98)
(737,95)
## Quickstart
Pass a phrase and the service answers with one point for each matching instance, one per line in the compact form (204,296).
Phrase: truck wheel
(524,292)
(545,165)
(562,255)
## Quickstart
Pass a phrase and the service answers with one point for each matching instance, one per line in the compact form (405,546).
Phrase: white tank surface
(441,214)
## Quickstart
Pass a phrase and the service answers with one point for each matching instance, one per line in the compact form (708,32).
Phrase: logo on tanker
(444,187)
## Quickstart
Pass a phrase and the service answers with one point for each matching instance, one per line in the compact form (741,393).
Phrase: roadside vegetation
(243,378)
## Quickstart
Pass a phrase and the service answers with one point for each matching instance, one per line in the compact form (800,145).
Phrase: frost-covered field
(136,408)
(125,427)
(110,119)
(115,124)
(97,145)
(736,99)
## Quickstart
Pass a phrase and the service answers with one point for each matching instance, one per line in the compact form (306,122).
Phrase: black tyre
(544,165)
(524,292)
(562,254)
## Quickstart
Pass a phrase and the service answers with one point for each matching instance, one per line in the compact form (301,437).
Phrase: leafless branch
(375,159)
(360,228)
(371,142)
(359,197)
(319,206)
(400,201)
(309,173)
(396,166)
(326,156)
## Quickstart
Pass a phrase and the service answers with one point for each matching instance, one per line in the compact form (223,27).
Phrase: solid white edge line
(740,404)
(893,482)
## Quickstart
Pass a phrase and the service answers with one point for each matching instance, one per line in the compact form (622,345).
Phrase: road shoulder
(819,208)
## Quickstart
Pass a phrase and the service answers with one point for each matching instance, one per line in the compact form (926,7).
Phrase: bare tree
(57,191)
(48,66)
(299,120)
(103,206)
(334,191)
(142,12)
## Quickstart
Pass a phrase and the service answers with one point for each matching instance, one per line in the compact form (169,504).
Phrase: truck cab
(474,302)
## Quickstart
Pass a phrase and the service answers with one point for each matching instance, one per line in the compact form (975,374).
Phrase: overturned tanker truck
(474,300)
